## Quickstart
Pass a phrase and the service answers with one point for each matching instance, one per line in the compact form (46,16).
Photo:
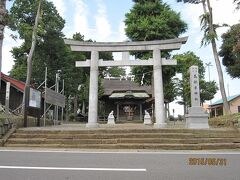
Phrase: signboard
(52,97)
(35,98)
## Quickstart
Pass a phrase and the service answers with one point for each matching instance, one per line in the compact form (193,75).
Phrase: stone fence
(8,122)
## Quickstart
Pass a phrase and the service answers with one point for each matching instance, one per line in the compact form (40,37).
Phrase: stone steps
(166,139)
(122,140)
(123,130)
(204,146)
(69,135)
(105,136)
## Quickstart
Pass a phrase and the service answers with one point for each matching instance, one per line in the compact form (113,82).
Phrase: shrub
(71,117)
(232,120)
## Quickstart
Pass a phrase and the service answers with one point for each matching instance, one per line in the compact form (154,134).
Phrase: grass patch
(232,120)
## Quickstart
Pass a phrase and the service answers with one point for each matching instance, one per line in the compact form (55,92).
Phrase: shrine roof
(117,85)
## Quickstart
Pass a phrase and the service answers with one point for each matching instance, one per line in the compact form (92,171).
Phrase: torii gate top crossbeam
(170,44)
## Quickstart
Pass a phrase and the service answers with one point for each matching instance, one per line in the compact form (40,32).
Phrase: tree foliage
(114,72)
(237,2)
(50,48)
(230,51)
(153,20)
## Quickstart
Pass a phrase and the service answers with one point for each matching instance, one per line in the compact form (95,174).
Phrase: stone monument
(111,119)
(197,118)
(147,118)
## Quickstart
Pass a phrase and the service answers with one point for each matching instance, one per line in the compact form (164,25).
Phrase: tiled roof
(229,98)
(15,83)
(111,85)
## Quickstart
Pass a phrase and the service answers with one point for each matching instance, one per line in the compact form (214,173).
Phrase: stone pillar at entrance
(197,118)
(93,91)
(158,90)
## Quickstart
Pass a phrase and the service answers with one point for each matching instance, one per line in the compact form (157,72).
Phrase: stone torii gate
(157,62)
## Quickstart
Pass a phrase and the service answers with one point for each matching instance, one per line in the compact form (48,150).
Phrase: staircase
(155,139)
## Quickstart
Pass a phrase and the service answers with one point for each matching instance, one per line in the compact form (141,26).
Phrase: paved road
(73,165)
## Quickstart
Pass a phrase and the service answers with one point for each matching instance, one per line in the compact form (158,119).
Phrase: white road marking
(73,169)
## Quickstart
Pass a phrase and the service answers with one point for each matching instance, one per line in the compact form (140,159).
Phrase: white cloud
(223,12)
(101,30)
(81,24)
(61,8)
(121,31)
(7,61)
(8,44)
(81,18)
(103,27)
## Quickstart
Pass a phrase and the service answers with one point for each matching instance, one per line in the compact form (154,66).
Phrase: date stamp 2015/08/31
(207,161)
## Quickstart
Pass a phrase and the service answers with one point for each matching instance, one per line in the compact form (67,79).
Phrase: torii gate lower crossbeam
(156,62)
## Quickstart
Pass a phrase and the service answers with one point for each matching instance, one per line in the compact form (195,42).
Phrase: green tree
(50,48)
(207,89)
(114,71)
(153,20)
(230,51)
(210,37)
(50,51)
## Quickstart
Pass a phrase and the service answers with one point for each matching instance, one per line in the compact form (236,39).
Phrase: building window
(238,108)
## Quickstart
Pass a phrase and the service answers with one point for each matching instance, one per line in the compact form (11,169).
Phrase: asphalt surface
(76,165)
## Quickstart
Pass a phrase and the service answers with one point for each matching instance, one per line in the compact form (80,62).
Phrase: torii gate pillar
(158,89)
(93,91)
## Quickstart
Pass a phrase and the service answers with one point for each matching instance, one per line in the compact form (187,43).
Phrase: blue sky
(102,20)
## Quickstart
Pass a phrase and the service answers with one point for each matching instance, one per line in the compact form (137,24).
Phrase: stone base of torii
(157,62)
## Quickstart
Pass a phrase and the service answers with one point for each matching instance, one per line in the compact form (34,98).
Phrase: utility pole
(57,90)
(208,65)
(228,89)
(62,107)
(209,77)
(45,96)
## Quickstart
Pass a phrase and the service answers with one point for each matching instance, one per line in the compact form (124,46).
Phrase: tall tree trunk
(29,64)
(217,61)
(220,76)
(3,22)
